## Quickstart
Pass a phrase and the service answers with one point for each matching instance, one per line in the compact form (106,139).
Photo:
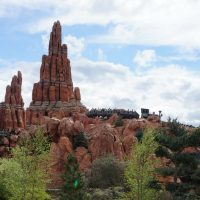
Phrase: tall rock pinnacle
(12,109)
(54,94)
(55,40)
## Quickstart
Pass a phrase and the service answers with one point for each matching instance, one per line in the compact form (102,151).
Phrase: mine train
(107,113)
(125,114)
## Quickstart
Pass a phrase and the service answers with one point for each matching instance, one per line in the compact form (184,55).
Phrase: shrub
(165,196)
(119,122)
(80,140)
(105,194)
(4,193)
(101,195)
(105,172)
(139,134)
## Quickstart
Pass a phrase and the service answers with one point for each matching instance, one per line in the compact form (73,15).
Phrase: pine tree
(184,165)
(73,187)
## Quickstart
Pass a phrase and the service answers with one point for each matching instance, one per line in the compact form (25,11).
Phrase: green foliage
(80,140)
(4,192)
(24,175)
(165,171)
(139,134)
(111,193)
(165,196)
(105,172)
(140,170)
(73,187)
(184,165)
(119,122)
(99,194)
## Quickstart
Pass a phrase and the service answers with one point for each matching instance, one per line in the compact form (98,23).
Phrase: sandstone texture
(103,138)
(12,113)
(54,95)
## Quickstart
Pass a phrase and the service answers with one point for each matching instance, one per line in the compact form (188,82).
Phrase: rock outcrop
(12,114)
(7,142)
(103,138)
(54,95)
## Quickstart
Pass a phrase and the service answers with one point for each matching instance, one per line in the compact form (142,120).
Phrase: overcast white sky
(126,54)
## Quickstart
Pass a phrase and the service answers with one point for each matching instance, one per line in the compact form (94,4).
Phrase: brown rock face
(12,114)
(83,158)
(104,140)
(59,152)
(54,95)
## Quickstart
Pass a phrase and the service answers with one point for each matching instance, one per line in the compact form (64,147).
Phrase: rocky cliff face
(12,114)
(54,95)
(103,138)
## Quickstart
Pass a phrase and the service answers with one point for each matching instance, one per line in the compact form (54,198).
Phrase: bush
(80,140)
(165,196)
(105,194)
(101,195)
(105,172)
(139,134)
(119,122)
(4,193)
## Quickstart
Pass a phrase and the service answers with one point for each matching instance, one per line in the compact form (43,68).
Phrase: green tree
(140,170)
(73,187)
(184,165)
(25,174)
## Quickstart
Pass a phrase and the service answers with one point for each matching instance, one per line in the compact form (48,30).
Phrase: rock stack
(54,95)
(12,114)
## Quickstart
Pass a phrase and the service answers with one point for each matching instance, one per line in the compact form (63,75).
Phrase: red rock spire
(12,114)
(54,93)
(55,40)
(13,92)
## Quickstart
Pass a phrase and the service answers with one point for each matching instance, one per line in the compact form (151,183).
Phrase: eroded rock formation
(54,95)
(12,114)
(103,138)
